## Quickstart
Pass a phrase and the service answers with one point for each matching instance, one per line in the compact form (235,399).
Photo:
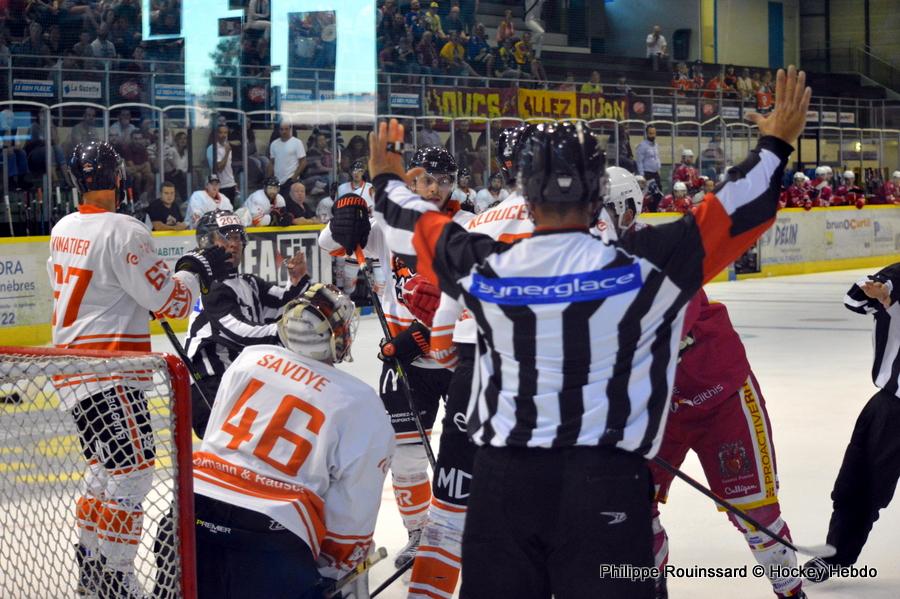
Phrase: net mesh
(126,425)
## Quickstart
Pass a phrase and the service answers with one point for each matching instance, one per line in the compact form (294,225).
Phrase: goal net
(45,476)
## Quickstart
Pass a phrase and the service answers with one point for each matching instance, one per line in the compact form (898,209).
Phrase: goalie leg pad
(412,490)
(121,521)
(90,505)
(766,550)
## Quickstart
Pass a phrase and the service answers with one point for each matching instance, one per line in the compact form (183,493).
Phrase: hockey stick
(366,269)
(360,569)
(176,345)
(823,550)
(392,578)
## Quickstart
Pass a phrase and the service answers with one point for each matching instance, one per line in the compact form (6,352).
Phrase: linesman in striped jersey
(868,476)
(239,310)
(576,350)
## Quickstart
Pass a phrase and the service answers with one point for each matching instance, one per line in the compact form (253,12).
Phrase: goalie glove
(421,298)
(408,345)
(209,264)
(350,225)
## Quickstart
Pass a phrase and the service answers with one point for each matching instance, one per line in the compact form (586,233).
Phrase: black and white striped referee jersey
(578,339)
(238,311)
(886,336)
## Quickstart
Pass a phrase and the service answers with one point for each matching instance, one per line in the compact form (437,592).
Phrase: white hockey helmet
(798,176)
(895,175)
(679,187)
(623,192)
(641,181)
(821,171)
(320,324)
(829,170)
(687,153)
(849,175)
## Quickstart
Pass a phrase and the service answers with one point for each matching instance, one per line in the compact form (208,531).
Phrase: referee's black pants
(868,477)
(543,521)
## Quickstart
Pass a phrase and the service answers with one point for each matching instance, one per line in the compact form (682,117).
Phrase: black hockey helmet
(358,165)
(463,172)
(562,163)
(271,182)
(221,222)
(508,145)
(94,166)
(436,160)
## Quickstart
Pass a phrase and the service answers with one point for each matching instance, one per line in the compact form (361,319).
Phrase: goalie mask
(320,324)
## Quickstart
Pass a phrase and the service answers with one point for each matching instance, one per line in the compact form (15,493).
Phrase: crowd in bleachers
(440,41)
(755,86)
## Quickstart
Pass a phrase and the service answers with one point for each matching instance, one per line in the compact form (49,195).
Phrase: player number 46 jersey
(303,443)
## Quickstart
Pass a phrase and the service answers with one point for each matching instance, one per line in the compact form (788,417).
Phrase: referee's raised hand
(386,152)
(792,97)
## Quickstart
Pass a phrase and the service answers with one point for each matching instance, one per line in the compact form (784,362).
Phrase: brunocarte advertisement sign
(26,295)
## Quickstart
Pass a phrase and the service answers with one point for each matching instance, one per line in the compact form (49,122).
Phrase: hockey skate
(89,571)
(409,551)
(817,570)
(120,585)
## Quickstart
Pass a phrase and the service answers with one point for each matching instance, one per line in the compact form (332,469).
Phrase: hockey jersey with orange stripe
(106,276)
(303,443)
(398,317)
(507,222)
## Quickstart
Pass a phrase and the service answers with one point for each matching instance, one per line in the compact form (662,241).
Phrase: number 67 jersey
(303,443)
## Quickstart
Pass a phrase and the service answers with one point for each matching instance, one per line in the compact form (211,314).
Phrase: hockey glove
(408,345)
(208,264)
(421,297)
(350,222)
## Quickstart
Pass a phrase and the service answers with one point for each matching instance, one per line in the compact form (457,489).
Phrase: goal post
(43,466)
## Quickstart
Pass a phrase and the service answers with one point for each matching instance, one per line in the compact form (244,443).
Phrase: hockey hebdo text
(634,573)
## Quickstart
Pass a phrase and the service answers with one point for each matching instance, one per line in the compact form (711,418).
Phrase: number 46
(239,428)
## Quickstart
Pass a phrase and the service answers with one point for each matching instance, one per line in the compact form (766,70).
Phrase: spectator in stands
(218,157)
(101,47)
(54,40)
(592,86)
(657,48)
(406,60)
(319,166)
(297,205)
(433,22)
(429,59)
(745,85)
(287,158)
(4,49)
(681,80)
(765,95)
(85,130)
(121,131)
(137,160)
(394,30)
(713,157)
(82,48)
(164,212)
(428,136)
(33,53)
(387,59)
(755,83)
(478,53)
(454,22)
(460,145)
(506,29)
(206,200)
(507,66)
(623,151)
(176,164)
(453,58)
(357,150)
(491,195)
(123,37)
(36,147)
(526,60)
(697,74)
(648,163)
(730,79)
(715,87)
(568,85)
(415,20)
(385,15)
(621,88)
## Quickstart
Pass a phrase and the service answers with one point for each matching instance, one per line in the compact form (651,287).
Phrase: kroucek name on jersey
(576,287)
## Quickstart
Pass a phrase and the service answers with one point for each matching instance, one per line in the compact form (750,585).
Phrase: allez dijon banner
(482,102)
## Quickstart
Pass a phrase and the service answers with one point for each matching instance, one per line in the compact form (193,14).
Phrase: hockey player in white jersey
(453,337)
(288,479)
(206,200)
(106,276)
(358,184)
(464,193)
(265,207)
(409,302)
(240,309)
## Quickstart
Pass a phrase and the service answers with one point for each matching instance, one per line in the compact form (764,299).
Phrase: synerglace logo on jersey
(576,287)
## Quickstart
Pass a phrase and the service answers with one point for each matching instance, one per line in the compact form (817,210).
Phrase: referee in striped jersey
(868,476)
(576,352)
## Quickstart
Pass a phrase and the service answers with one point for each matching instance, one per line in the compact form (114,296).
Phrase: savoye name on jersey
(585,286)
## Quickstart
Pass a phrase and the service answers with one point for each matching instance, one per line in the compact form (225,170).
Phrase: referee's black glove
(208,264)
(408,345)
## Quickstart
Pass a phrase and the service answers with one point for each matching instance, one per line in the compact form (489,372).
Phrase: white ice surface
(813,359)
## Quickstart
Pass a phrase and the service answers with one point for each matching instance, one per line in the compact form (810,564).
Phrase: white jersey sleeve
(259,208)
